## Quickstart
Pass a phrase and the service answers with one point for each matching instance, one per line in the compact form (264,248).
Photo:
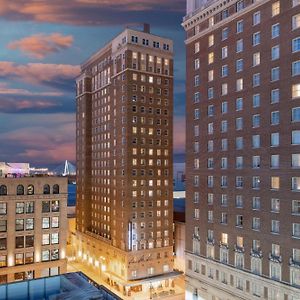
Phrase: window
(239,65)
(274,161)
(224,89)
(29,224)
(256,100)
(3,208)
(255,182)
(275,8)
(197,64)
(19,259)
(239,143)
(239,104)
(210,58)
(256,223)
(55,206)
(224,52)
(20,189)
(210,75)
(256,18)
(224,71)
(275,139)
(54,238)
(256,203)
(256,59)
(296,137)
(210,93)
(296,183)
(239,201)
(239,46)
(46,189)
(296,160)
(296,44)
(239,84)
(275,53)
(239,26)
(256,80)
(275,96)
(240,5)
(296,68)
(19,224)
(20,208)
(45,206)
(224,218)
(19,242)
(275,74)
(255,141)
(296,21)
(224,238)
(275,182)
(46,239)
(296,90)
(29,207)
(255,162)
(30,190)
(275,119)
(3,243)
(224,144)
(46,223)
(239,162)
(197,47)
(55,222)
(45,255)
(211,40)
(256,121)
(3,225)
(29,241)
(239,181)
(239,123)
(225,32)
(256,39)
(275,31)
(197,80)
(296,207)
(296,230)
(275,226)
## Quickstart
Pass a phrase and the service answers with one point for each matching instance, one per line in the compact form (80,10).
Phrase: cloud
(40,45)
(12,105)
(39,73)
(92,12)
(39,139)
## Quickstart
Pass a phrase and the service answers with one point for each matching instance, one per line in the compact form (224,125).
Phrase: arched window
(3,190)
(56,189)
(20,189)
(30,189)
(46,189)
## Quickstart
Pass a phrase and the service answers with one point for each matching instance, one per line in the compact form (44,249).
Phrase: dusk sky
(41,46)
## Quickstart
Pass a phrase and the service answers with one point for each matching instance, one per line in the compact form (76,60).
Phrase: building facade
(33,227)
(243,149)
(124,158)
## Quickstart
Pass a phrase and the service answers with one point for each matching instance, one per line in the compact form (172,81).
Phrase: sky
(42,44)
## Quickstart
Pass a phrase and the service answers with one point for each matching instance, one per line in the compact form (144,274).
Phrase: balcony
(210,241)
(275,258)
(239,249)
(294,263)
(223,245)
(256,253)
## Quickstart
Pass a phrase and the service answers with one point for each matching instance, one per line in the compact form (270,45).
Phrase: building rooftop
(69,286)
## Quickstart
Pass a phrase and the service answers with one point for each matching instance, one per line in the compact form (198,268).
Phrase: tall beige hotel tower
(124,160)
(243,149)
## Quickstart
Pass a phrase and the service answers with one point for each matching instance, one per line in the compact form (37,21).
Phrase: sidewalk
(96,276)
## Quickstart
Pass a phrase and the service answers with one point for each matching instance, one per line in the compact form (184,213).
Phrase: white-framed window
(296,137)
(275,30)
(239,46)
(239,84)
(256,18)
(275,226)
(296,68)
(295,21)
(296,160)
(256,100)
(275,139)
(239,26)
(296,230)
(275,205)
(275,52)
(256,59)
(275,95)
(296,44)
(275,8)
(296,90)
(274,163)
(275,182)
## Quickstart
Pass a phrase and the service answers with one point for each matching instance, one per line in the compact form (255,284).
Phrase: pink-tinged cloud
(179,134)
(45,141)
(86,12)
(38,73)
(10,105)
(40,45)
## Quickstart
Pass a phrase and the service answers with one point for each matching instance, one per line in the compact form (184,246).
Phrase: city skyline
(41,46)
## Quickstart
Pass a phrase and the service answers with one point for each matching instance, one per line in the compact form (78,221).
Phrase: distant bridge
(65,169)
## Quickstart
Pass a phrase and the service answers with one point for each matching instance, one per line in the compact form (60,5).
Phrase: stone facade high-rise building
(124,159)
(33,227)
(243,149)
